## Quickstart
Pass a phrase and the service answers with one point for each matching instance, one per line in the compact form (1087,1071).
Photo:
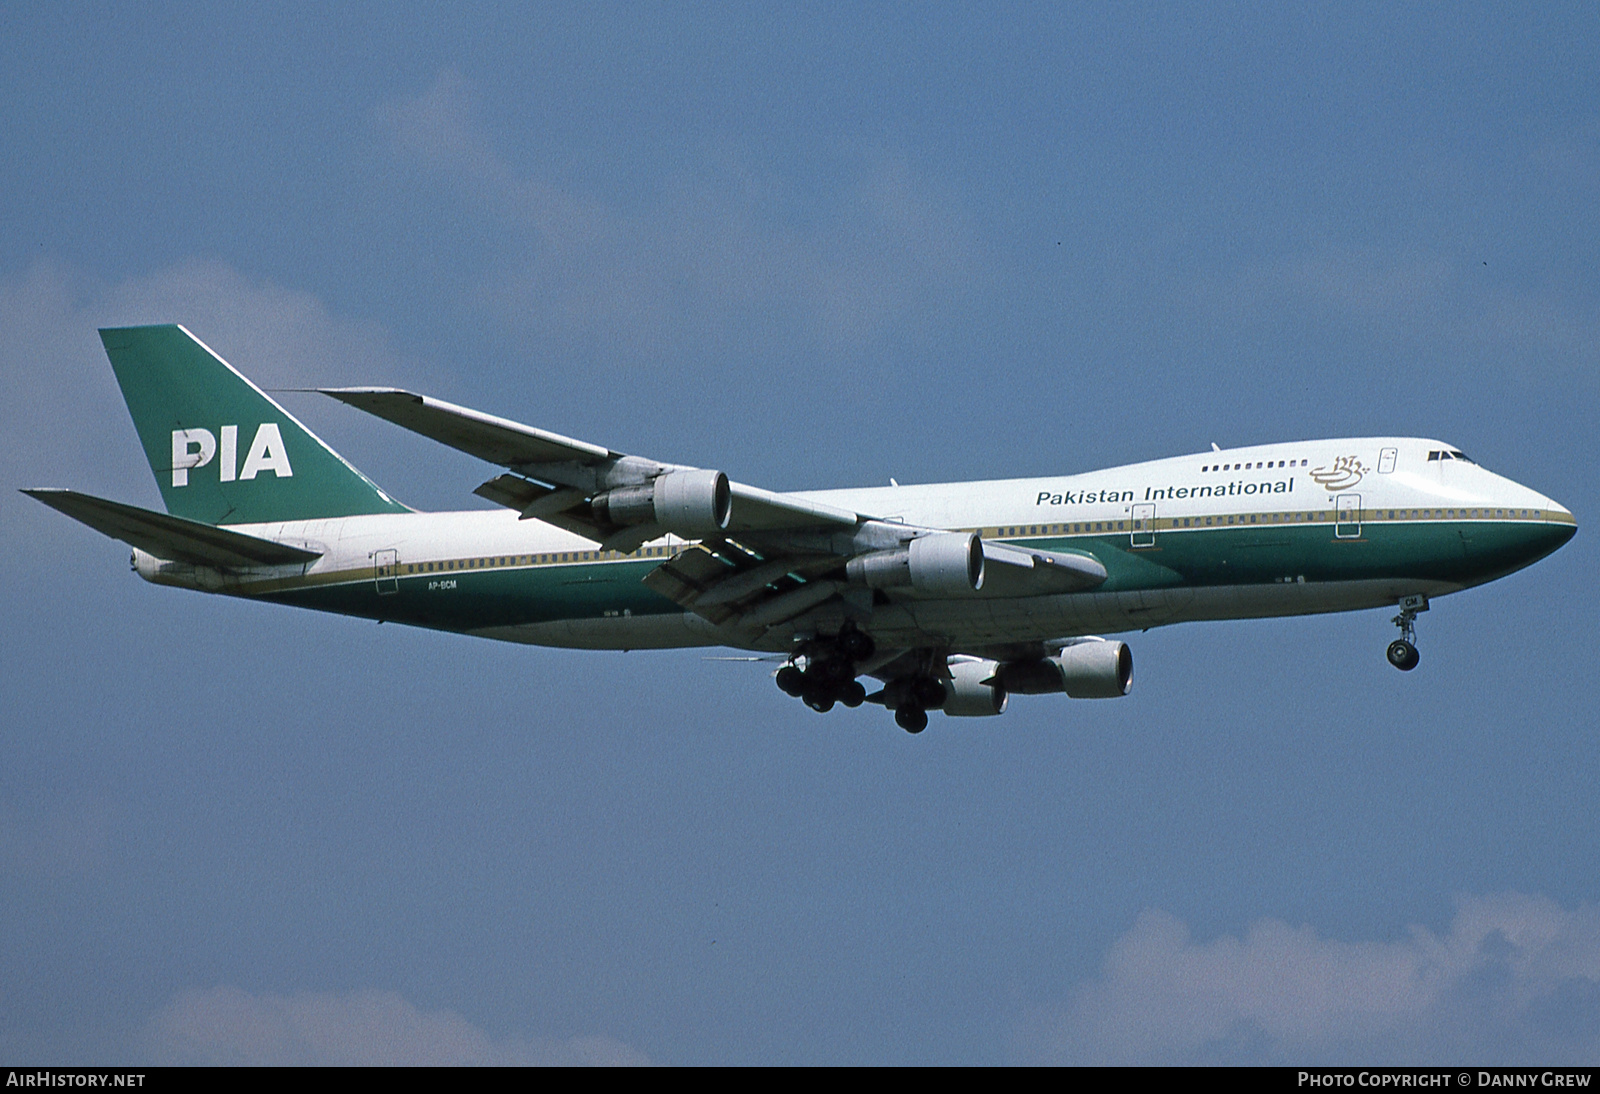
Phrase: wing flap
(727,585)
(688,575)
(176,539)
(552,506)
(513,491)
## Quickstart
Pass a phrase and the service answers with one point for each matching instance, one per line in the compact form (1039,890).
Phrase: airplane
(948,597)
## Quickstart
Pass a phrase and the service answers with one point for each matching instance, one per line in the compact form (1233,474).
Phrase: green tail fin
(222,451)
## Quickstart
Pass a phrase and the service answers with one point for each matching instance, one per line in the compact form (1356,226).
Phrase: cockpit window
(1461,456)
(1452,454)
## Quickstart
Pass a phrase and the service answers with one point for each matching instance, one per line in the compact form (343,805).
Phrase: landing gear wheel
(1403,655)
(853,694)
(820,702)
(929,694)
(855,645)
(791,681)
(831,672)
(911,718)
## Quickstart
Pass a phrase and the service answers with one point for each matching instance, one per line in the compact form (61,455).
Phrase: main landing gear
(1402,651)
(829,675)
(921,694)
(823,674)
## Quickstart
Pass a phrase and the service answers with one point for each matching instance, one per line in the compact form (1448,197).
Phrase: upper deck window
(1256,466)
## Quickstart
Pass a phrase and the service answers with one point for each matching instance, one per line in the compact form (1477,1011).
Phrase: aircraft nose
(1531,534)
(1559,517)
(1559,526)
(1567,522)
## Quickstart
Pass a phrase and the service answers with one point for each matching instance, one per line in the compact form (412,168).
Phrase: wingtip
(354,395)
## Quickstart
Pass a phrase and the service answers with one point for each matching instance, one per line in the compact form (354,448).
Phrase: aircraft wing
(175,539)
(495,440)
(574,470)
(763,559)
(766,559)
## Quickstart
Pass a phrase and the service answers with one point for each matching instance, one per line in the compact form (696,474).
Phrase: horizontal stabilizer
(175,539)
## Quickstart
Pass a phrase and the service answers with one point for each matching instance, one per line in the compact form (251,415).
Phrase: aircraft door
(1348,524)
(1144,526)
(386,571)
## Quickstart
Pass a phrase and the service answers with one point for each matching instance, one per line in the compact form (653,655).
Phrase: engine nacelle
(967,696)
(691,504)
(943,564)
(1084,670)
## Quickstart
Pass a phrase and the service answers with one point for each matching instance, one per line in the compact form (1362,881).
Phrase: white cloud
(63,422)
(1514,979)
(1411,297)
(62,407)
(228,1026)
(723,255)
(279,337)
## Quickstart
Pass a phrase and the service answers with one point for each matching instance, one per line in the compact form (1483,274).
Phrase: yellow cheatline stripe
(449,568)
(1384,515)
(1086,529)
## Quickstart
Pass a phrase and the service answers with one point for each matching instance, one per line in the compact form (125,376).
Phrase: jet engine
(691,504)
(968,696)
(942,564)
(1084,670)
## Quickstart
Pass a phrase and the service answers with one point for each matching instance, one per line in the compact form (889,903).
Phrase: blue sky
(812,246)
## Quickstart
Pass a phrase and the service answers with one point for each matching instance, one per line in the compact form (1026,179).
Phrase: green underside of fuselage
(1456,553)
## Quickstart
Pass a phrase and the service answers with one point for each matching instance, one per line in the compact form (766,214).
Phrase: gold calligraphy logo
(1345,473)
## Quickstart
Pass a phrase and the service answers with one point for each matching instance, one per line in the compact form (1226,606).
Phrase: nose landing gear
(1402,652)
(1403,655)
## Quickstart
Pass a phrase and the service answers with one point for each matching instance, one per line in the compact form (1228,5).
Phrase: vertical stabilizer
(222,451)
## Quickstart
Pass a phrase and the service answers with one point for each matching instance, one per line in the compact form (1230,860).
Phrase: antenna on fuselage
(1214,447)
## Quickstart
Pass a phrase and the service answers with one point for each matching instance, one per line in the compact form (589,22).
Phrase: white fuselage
(1263,496)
